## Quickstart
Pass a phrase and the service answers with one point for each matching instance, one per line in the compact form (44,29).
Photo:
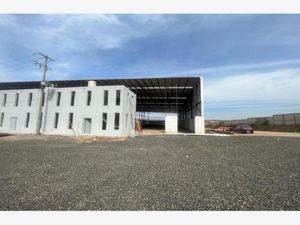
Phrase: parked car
(245,129)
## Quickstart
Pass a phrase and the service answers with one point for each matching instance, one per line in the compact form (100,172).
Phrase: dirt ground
(75,139)
(272,134)
(150,132)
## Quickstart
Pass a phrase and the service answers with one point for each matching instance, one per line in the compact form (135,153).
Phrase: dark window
(4,99)
(29,99)
(58,98)
(43,99)
(118,96)
(17,99)
(89,97)
(56,120)
(70,125)
(41,120)
(72,98)
(27,119)
(117,121)
(106,97)
(104,121)
(1,119)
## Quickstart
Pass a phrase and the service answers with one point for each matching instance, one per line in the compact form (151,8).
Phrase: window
(27,119)
(41,120)
(56,120)
(58,99)
(105,97)
(70,124)
(29,99)
(17,99)
(4,99)
(43,99)
(118,96)
(1,119)
(89,96)
(72,98)
(117,121)
(104,121)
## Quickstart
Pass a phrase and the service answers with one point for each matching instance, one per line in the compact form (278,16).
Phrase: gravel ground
(151,173)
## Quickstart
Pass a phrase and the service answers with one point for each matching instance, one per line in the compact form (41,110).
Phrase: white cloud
(249,66)
(281,85)
(252,95)
(82,32)
(93,31)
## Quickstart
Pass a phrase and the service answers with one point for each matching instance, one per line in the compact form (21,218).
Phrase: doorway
(13,123)
(87,125)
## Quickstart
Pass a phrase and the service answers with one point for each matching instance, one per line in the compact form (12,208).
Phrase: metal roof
(153,94)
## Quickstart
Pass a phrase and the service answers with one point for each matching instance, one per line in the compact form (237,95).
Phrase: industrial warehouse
(105,107)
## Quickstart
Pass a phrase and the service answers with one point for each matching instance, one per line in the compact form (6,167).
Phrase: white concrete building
(106,107)
(95,110)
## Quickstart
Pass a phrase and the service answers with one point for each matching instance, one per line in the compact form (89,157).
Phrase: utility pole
(43,85)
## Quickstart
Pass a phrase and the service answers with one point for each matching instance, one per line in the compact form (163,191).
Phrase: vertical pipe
(201,97)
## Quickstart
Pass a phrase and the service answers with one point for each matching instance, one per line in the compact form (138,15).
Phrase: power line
(16,64)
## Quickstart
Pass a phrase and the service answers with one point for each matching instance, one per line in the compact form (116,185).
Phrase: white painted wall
(171,124)
(80,110)
(10,110)
(199,125)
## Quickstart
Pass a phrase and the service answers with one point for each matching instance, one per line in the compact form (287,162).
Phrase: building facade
(105,107)
(90,110)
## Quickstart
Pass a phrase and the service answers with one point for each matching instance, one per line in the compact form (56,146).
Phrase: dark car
(245,129)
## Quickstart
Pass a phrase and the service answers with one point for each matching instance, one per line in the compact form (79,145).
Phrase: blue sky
(250,63)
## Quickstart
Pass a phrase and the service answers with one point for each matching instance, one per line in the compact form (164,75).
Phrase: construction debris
(138,126)
(98,139)
(221,130)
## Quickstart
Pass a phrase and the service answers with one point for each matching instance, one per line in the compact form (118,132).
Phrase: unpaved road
(151,173)
(273,134)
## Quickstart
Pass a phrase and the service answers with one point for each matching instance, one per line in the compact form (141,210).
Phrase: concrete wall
(287,119)
(171,124)
(199,125)
(80,110)
(290,119)
(20,111)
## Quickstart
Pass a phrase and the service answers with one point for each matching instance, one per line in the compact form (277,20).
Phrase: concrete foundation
(171,124)
(199,125)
